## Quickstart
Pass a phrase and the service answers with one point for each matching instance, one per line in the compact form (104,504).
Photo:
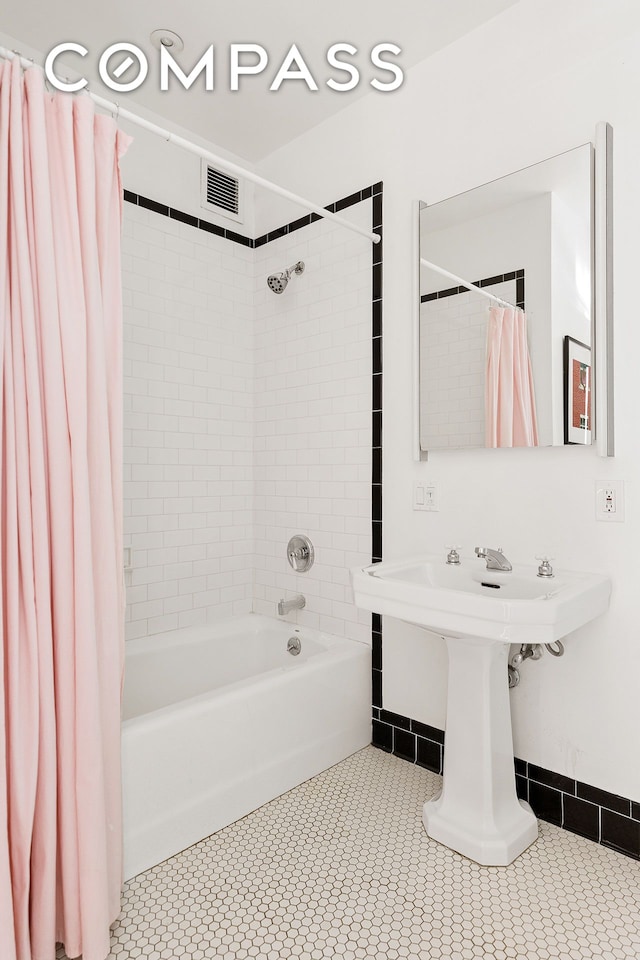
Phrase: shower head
(278,281)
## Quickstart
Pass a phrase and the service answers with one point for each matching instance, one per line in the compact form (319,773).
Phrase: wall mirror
(513,362)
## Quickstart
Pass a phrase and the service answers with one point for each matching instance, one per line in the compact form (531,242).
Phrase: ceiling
(253,121)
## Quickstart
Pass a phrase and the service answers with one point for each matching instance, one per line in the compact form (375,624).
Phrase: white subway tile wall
(247,419)
(453,338)
(312,446)
(188,396)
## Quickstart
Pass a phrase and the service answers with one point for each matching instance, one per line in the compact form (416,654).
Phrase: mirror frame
(602,300)
(603,294)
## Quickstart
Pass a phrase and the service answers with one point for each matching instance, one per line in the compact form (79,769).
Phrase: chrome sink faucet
(496,560)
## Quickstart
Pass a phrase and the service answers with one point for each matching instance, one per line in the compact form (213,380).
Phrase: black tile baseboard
(556,780)
(621,833)
(581,817)
(545,802)
(595,814)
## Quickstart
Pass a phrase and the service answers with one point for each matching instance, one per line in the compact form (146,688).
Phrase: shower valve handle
(300,553)
(297,555)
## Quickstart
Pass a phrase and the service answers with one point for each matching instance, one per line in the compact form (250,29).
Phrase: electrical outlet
(610,501)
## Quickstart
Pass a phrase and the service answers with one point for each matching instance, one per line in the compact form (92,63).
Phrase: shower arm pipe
(122,113)
(466,283)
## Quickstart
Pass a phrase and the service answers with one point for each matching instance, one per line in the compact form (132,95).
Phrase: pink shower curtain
(61,656)
(510,407)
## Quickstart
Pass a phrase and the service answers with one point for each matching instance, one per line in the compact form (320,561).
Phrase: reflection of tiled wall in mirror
(453,334)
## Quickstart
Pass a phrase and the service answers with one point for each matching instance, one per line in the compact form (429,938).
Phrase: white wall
(188,364)
(164,172)
(528,85)
(156,168)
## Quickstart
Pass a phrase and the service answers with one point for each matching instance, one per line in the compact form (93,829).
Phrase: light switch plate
(425,496)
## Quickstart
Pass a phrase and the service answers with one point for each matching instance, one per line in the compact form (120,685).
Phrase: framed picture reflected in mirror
(578,391)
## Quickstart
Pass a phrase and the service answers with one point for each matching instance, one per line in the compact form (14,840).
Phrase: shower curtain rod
(227,165)
(466,283)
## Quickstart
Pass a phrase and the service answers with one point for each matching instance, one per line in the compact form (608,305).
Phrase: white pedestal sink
(479,613)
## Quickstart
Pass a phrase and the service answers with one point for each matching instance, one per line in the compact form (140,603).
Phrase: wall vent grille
(221,193)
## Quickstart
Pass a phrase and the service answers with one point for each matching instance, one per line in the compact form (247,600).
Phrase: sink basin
(479,612)
(470,601)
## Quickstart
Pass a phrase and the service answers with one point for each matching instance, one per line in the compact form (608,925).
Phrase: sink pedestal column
(478,813)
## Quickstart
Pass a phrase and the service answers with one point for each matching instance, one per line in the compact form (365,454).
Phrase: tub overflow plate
(294,646)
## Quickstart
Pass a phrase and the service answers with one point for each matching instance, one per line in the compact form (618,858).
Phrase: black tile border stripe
(517,275)
(374,191)
(595,814)
(174,214)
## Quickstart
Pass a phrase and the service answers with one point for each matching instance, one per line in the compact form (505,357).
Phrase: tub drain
(294,646)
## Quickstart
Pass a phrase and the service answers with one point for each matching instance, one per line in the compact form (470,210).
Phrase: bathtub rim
(335,648)
(192,634)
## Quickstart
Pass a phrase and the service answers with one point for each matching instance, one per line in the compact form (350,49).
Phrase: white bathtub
(220,719)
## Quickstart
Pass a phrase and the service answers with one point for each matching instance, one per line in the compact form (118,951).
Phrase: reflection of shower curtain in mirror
(510,409)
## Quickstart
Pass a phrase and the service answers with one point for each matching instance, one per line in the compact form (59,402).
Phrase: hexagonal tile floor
(341,867)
